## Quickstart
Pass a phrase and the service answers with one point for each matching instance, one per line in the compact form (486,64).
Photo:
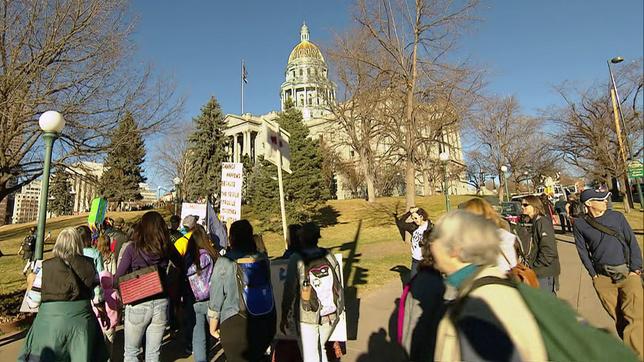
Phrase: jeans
(312,340)
(414,268)
(199,334)
(145,319)
(547,284)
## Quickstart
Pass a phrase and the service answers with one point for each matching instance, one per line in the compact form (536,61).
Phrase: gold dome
(305,49)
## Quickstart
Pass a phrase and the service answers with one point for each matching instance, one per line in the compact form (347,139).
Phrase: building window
(301,72)
(308,72)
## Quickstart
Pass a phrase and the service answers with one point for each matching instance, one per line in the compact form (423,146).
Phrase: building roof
(305,49)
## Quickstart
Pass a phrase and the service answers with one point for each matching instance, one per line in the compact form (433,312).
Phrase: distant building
(25,208)
(84,177)
(149,196)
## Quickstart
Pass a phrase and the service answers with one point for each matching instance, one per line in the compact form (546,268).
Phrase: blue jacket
(606,249)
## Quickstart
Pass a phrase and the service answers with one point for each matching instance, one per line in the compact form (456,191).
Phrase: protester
(293,241)
(246,322)
(175,234)
(65,328)
(28,247)
(312,295)
(91,252)
(422,307)
(415,221)
(508,256)
(107,284)
(610,253)
(189,223)
(544,257)
(574,208)
(114,230)
(200,260)
(560,209)
(148,318)
(490,323)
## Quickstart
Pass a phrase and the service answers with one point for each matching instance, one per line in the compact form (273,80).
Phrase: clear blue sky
(527,46)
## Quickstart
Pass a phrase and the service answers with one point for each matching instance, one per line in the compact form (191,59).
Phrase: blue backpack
(254,285)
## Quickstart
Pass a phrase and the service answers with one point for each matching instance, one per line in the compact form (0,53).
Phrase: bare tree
(413,37)
(171,153)
(586,127)
(358,109)
(75,57)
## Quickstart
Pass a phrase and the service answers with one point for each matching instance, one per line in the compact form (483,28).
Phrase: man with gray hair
(608,248)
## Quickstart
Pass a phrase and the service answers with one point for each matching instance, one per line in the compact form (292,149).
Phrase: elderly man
(608,249)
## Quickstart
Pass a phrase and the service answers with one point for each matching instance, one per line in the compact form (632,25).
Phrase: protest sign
(276,145)
(232,179)
(97,212)
(195,209)
(32,298)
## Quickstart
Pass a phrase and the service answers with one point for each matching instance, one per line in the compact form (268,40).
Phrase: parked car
(511,211)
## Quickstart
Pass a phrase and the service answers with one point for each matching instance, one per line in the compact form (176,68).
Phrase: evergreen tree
(62,202)
(264,193)
(206,151)
(123,171)
(305,189)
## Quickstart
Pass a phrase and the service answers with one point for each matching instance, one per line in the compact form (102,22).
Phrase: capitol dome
(305,49)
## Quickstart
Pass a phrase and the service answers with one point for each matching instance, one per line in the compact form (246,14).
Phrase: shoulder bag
(140,284)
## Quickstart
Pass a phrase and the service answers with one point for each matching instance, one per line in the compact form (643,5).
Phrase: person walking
(243,318)
(65,328)
(415,221)
(108,286)
(423,307)
(489,323)
(608,248)
(175,234)
(28,248)
(147,318)
(114,230)
(508,256)
(313,299)
(560,209)
(543,256)
(200,260)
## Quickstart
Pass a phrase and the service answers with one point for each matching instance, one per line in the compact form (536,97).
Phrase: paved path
(376,307)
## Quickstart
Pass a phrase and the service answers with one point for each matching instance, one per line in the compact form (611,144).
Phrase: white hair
(476,238)
(68,244)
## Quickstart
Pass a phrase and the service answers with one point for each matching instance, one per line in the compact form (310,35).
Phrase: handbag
(140,284)
(521,272)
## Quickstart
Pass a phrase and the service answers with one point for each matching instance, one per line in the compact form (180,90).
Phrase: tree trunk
(410,184)
(368,177)
(427,188)
(627,195)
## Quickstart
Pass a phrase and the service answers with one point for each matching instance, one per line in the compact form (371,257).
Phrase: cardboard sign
(232,179)
(195,209)
(278,278)
(32,298)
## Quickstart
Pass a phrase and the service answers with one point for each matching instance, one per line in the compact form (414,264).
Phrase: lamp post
(527,183)
(623,144)
(51,123)
(444,157)
(504,170)
(177,200)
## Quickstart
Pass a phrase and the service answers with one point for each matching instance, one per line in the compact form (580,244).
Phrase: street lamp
(444,157)
(624,151)
(177,182)
(51,123)
(504,170)
(526,178)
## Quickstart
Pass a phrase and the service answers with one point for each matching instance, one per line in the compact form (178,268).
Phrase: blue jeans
(199,333)
(147,319)
(414,268)
(547,284)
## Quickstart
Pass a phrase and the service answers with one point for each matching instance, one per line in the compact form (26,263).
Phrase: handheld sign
(232,179)
(97,212)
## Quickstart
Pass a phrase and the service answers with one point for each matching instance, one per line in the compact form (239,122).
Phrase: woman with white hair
(65,328)
(487,321)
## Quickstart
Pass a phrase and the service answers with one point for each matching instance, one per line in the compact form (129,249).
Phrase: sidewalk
(376,308)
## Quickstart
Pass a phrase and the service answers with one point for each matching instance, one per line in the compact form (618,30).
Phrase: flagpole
(242,86)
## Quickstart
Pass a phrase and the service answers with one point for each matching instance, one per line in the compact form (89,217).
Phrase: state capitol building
(308,86)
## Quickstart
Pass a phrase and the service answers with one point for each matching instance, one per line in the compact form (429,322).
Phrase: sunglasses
(525,205)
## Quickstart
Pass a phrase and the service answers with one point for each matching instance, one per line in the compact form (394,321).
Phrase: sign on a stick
(276,143)
(232,179)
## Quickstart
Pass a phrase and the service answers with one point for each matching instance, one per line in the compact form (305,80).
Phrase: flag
(244,73)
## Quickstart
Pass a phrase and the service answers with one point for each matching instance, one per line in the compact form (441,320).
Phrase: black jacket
(544,257)
(62,282)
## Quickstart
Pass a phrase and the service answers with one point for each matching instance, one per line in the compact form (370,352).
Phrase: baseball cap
(591,194)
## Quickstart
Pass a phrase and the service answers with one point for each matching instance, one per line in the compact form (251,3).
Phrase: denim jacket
(224,293)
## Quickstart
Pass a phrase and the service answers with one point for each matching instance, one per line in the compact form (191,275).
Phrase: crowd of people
(463,299)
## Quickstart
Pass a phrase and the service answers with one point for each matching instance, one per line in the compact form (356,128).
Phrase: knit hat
(190,221)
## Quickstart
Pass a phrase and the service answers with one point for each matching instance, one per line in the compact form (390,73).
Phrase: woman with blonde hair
(508,256)
(65,328)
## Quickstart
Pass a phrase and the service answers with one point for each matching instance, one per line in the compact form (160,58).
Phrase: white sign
(232,179)
(276,143)
(194,209)
(33,296)
(278,278)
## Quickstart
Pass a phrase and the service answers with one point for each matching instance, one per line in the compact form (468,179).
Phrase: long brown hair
(103,245)
(151,235)
(481,207)
(241,237)
(197,241)
(536,203)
